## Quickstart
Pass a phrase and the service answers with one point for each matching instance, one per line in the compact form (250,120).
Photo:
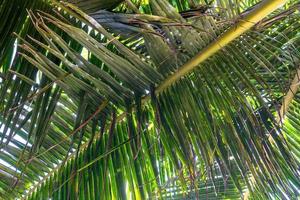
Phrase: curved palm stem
(288,98)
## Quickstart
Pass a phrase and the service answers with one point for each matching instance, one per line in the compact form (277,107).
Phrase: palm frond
(146,115)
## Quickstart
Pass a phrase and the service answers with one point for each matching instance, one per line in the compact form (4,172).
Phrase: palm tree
(149,99)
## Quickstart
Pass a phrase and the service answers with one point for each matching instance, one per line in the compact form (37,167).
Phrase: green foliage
(82,93)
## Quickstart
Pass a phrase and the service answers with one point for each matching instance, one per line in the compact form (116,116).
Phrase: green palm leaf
(121,105)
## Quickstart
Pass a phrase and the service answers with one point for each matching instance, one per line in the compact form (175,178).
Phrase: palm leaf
(188,124)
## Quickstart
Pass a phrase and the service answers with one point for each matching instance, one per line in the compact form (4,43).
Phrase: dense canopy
(149,99)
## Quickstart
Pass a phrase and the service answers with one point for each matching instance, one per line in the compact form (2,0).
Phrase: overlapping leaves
(220,116)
